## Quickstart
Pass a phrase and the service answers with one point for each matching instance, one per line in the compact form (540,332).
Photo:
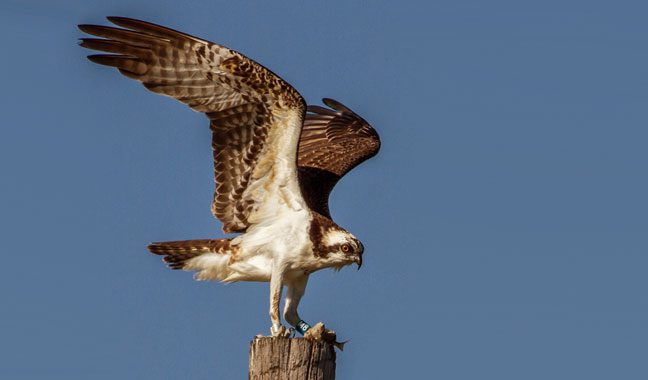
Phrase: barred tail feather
(208,257)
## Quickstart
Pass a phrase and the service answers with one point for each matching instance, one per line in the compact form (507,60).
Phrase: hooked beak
(359,255)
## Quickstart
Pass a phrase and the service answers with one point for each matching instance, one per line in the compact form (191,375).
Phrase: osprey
(275,162)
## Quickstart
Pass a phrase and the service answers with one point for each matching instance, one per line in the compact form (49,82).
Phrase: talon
(279,332)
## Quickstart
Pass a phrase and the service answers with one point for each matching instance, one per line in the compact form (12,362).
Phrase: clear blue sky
(505,219)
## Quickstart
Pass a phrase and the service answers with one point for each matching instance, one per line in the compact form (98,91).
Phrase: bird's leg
(296,289)
(319,332)
(276,285)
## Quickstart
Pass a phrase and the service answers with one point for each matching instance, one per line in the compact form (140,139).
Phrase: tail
(209,257)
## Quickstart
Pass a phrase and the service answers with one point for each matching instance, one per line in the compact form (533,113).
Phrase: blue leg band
(302,327)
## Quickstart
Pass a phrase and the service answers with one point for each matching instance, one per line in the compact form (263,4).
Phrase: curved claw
(280,332)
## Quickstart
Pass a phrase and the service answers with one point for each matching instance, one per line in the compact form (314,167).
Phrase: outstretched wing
(255,116)
(333,141)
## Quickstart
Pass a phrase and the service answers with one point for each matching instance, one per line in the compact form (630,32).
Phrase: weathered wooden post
(291,358)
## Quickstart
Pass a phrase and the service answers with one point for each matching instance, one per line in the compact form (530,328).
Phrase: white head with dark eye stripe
(342,248)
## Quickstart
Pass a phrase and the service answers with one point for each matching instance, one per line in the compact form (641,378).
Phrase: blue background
(504,220)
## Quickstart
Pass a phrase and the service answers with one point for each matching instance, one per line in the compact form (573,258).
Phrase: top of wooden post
(291,358)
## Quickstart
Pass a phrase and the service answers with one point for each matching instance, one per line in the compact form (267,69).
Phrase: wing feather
(255,116)
(333,141)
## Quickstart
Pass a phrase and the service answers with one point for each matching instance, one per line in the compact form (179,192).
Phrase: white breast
(282,239)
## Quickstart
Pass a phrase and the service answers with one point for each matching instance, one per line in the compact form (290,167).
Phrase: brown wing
(333,141)
(255,116)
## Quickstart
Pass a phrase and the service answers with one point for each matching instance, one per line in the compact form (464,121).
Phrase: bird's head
(341,248)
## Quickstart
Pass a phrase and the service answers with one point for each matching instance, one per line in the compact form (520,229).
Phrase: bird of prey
(275,162)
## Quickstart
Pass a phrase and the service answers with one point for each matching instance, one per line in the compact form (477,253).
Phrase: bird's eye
(346,248)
